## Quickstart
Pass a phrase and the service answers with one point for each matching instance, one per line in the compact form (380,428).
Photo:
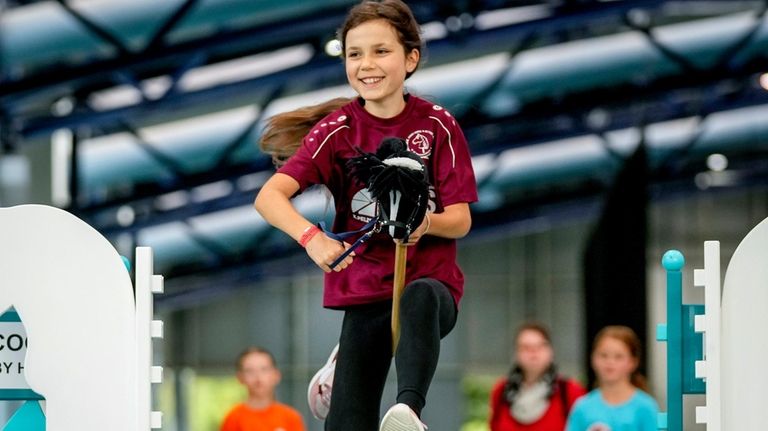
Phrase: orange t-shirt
(276,417)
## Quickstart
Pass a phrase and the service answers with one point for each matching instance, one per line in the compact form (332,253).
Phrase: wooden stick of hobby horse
(398,285)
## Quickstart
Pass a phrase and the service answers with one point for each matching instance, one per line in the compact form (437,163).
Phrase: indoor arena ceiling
(160,103)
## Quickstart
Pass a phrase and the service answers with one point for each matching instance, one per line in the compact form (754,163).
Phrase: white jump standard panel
(89,351)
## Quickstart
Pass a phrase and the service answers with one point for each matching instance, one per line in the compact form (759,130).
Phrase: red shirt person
(533,397)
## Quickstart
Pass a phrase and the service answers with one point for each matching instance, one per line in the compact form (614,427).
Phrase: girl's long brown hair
(283,133)
(627,336)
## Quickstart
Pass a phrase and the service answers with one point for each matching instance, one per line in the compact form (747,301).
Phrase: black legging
(427,314)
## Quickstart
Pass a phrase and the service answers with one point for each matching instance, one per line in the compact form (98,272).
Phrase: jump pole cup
(398,285)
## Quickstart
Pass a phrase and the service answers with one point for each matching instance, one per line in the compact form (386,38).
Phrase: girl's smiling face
(376,65)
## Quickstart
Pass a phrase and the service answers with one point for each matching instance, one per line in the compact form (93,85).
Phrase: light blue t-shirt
(592,413)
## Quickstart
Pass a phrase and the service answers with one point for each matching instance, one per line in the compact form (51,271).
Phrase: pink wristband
(308,234)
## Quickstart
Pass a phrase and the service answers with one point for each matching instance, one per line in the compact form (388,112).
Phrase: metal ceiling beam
(657,99)
(12,4)
(158,39)
(150,61)
(148,191)
(572,107)
(95,29)
(494,137)
(157,61)
(666,99)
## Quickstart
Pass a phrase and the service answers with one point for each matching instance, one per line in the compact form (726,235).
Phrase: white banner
(13,349)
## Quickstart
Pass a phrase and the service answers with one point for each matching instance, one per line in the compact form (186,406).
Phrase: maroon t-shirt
(432,133)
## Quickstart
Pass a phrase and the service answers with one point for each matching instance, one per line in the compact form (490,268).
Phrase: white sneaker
(401,418)
(319,390)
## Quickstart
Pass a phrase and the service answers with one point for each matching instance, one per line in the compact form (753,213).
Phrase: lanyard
(372,227)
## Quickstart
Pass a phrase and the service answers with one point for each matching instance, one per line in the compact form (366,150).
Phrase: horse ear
(364,167)
(390,146)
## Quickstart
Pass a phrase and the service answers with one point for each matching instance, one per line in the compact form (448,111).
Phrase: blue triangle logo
(29,417)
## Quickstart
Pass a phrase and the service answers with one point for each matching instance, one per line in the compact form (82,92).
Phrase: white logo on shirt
(420,142)
(599,427)
(363,206)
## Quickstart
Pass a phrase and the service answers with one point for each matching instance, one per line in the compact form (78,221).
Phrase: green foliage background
(477,389)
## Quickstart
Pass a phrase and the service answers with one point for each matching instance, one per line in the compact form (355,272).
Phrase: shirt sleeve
(495,405)
(296,422)
(454,177)
(230,423)
(313,161)
(649,416)
(575,391)
(575,420)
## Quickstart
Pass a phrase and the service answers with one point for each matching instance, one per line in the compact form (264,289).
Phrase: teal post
(126,262)
(693,350)
(673,262)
